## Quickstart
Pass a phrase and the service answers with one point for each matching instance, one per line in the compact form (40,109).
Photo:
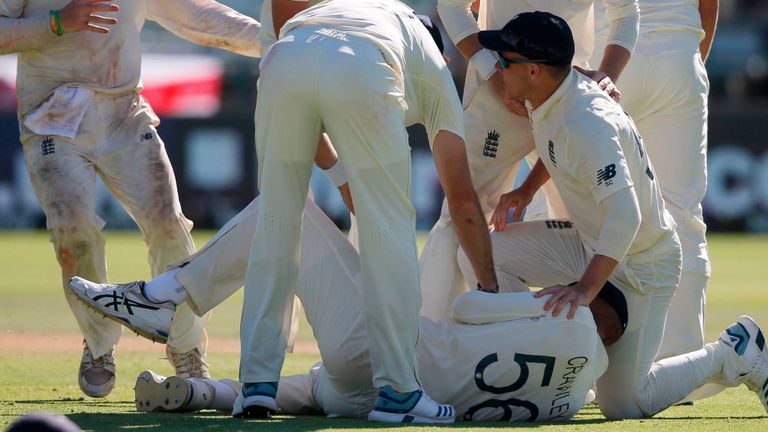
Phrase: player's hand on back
(512,105)
(603,80)
(517,199)
(83,15)
(562,296)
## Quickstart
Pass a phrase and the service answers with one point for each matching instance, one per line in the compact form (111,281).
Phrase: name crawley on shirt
(575,365)
(559,407)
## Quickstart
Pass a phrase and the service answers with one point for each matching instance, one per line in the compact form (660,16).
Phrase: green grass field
(40,352)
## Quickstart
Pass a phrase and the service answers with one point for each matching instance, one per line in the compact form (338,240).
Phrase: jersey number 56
(508,404)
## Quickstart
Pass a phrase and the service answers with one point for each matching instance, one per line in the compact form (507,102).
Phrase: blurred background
(206,99)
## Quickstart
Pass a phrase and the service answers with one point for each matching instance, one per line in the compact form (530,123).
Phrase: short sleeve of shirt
(441,110)
(437,98)
(437,102)
(595,142)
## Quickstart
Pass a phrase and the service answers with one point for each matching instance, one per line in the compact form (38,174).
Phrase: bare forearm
(615,58)
(460,24)
(708,9)
(471,227)
(472,233)
(536,178)
(469,46)
(597,273)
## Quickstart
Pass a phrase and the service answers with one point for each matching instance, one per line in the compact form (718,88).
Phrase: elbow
(465,210)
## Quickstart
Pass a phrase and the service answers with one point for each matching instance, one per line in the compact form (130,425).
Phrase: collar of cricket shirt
(541,112)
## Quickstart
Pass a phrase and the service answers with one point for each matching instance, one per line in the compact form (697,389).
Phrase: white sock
(166,288)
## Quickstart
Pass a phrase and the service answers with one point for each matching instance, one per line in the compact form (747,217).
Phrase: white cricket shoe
(747,342)
(127,304)
(413,407)
(157,393)
(190,364)
(256,401)
(96,376)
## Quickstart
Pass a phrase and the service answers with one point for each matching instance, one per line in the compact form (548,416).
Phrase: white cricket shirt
(658,16)
(406,45)
(577,13)
(108,63)
(591,150)
(519,368)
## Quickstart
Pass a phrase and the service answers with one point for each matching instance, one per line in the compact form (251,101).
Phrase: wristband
(480,288)
(55,17)
(337,174)
(484,63)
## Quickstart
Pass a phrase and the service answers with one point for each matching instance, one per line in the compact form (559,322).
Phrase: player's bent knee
(74,242)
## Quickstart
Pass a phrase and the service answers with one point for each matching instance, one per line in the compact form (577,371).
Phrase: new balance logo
(552,153)
(146,136)
(491,145)
(605,175)
(48,146)
(122,300)
(558,224)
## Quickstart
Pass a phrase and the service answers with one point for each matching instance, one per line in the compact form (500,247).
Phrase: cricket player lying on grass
(501,357)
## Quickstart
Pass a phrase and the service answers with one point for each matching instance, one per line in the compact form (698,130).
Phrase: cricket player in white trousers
(356,70)
(500,357)
(543,380)
(620,232)
(80,113)
(665,89)
(497,130)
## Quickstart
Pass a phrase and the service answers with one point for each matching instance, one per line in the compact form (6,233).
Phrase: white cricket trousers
(665,88)
(329,282)
(497,141)
(311,82)
(546,253)
(118,141)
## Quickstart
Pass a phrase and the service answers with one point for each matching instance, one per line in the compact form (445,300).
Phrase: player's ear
(534,71)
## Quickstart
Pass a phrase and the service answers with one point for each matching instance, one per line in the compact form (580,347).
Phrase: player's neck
(544,91)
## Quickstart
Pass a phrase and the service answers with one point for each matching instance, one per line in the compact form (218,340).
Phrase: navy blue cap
(433,30)
(536,35)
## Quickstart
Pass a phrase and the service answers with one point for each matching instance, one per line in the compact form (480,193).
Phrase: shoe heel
(257,412)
